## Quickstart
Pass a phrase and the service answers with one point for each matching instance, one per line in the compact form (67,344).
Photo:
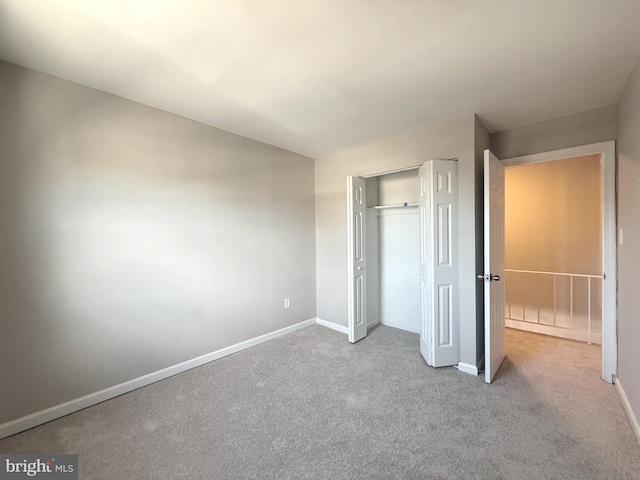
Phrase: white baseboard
(593,338)
(57,411)
(373,323)
(333,326)
(627,406)
(370,324)
(400,326)
(468,368)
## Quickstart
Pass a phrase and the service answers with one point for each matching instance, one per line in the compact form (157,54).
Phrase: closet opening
(403,266)
(393,250)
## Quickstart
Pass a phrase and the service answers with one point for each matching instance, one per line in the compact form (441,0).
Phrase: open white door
(494,279)
(356,252)
(440,335)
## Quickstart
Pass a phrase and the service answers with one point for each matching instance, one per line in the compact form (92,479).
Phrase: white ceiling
(321,76)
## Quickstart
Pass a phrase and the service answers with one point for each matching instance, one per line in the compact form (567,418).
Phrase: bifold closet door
(440,329)
(356,253)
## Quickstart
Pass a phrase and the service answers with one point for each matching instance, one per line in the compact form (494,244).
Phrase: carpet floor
(310,405)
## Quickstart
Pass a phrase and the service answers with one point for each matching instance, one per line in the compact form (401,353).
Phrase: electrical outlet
(287,302)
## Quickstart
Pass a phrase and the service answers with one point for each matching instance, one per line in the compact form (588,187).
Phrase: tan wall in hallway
(553,212)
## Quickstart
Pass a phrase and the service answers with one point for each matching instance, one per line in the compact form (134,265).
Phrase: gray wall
(451,139)
(592,126)
(132,239)
(629,252)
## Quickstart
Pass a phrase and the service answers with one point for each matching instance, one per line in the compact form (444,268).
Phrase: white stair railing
(567,305)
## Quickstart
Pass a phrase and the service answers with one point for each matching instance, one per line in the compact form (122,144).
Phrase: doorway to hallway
(561,246)
(553,248)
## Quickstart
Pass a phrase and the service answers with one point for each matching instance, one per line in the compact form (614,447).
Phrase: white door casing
(426,344)
(440,335)
(494,276)
(356,253)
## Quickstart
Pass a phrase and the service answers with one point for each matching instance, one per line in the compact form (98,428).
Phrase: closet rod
(399,205)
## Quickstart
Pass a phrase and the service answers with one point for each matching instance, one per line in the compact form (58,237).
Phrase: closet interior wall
(393,251)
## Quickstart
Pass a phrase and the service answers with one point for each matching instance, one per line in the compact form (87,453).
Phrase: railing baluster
(571,299)
(538,298)
(555,304)
(589,308)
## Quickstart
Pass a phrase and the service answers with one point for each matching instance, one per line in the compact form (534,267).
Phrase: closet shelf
(399,205)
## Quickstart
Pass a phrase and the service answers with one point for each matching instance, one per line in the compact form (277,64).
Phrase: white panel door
(440,337)
(356,253)
(444,265)
(494,279)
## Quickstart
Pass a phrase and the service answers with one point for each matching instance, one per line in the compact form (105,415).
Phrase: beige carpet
(310,405)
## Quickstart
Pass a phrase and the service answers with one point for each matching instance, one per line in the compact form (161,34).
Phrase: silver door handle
(490,277)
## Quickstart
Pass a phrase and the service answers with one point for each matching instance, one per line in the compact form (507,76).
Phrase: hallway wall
(629,251)
(553,216)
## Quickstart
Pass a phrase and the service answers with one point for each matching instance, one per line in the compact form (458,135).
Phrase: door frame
(607,150)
